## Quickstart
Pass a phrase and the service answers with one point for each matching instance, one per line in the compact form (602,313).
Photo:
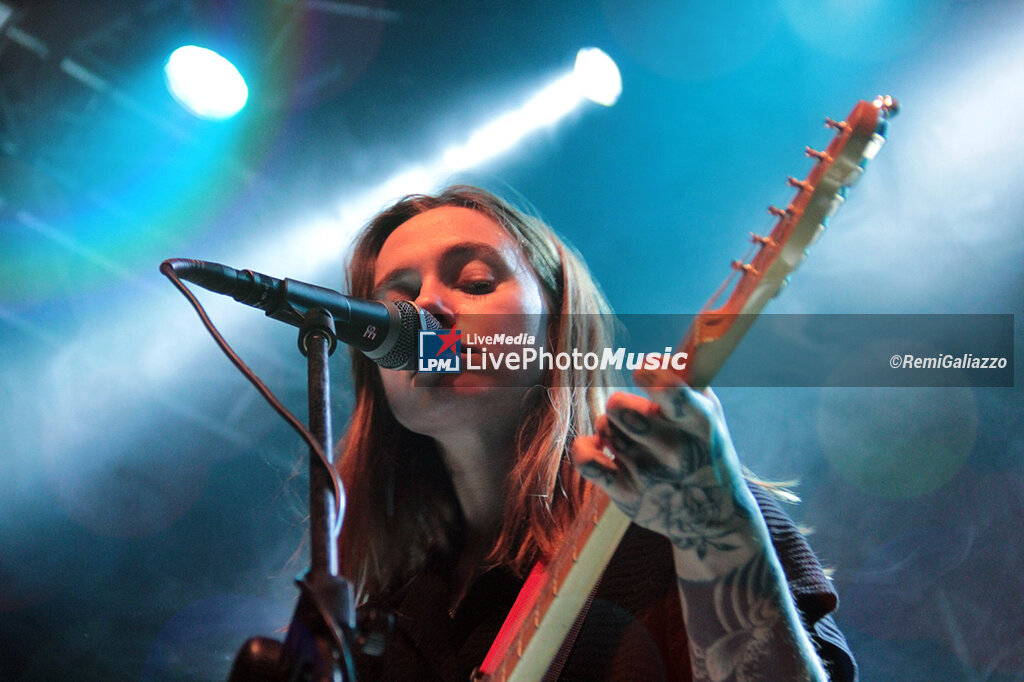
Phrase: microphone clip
(317,322)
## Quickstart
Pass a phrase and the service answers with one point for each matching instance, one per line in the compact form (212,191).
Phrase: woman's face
(465,269)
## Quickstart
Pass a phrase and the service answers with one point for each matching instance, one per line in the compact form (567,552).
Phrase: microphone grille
(413,319)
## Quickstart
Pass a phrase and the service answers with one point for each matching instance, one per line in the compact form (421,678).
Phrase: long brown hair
(401,511)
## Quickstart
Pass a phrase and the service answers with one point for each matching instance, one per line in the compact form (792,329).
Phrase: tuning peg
(815,154)
(762,241)
(888,104)
(800,184)
(745,268)
(778,212)
(841,126)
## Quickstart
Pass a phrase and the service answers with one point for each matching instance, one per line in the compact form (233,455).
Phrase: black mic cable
(168,270)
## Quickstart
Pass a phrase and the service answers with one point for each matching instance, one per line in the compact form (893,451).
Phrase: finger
(641,420)
(626,451)
(590,460)
(686,409)
(657,378)
(643,407)
(716,404)
(671,454)
(662,387)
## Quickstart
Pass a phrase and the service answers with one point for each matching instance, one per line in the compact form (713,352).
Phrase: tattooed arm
(673,470)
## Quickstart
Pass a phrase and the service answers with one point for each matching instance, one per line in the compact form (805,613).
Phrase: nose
(434,299)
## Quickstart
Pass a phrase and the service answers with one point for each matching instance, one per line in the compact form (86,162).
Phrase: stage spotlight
(206,84)
(594,77)
(504,132)
(597,76)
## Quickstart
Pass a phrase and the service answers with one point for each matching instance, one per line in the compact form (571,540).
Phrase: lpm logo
(440,351)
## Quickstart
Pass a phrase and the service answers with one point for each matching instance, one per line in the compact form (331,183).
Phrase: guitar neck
(717,331)
(555,593)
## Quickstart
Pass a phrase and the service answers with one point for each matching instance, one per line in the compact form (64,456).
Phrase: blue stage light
(205,83)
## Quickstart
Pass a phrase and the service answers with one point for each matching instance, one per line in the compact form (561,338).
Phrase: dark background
(152,506)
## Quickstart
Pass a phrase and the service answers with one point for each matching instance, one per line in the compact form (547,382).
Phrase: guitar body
(557,590)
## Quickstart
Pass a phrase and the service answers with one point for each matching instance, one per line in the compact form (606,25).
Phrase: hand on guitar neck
(667,461)
(669,464)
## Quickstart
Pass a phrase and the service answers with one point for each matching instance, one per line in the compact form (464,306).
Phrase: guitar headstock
(717,330)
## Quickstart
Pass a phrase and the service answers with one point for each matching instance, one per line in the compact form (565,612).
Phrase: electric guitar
(556,590)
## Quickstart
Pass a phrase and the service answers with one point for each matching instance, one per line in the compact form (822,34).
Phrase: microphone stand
(322,633)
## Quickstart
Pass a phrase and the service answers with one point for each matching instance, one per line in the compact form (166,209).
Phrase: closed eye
(395,293)
(400,285)
(476,277)
(477,287)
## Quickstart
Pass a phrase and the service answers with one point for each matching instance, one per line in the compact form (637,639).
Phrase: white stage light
(597,76)
(594,77)
(545,108)
(206,84)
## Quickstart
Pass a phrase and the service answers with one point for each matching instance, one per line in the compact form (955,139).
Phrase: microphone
(387,332)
